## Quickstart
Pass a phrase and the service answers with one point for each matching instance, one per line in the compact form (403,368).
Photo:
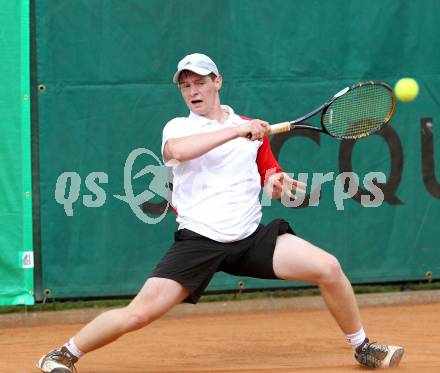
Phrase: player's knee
(137,320)
(332,270)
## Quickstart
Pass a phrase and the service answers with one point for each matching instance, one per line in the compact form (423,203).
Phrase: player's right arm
(189,147)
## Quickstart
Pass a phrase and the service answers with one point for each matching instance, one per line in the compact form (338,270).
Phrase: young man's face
(200,92)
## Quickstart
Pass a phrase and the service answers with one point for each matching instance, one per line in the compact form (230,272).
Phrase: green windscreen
(16,253)
(105,71)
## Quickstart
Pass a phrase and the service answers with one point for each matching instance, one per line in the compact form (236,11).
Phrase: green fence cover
(105,70)
(16,255)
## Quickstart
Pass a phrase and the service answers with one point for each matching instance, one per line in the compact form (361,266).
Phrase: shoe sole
(397,356)
(56,370)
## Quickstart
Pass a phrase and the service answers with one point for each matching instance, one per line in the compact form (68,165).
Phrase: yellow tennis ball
(406,89)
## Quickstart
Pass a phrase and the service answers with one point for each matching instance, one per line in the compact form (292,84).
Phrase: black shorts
(193,259)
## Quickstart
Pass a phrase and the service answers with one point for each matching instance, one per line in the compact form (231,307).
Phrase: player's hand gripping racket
(352,113)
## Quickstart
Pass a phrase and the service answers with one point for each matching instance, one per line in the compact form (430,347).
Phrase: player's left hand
(280,184)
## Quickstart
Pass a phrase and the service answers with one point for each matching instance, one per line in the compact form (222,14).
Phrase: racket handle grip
(279,128)
(275,128)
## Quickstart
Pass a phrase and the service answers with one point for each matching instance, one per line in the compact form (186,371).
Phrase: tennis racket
(352,113)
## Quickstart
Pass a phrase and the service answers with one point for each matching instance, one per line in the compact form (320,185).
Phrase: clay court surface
(276,341)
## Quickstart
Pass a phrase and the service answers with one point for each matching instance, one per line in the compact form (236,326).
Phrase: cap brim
(194,69)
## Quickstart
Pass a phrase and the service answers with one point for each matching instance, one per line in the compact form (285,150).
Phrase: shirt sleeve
(173,129)
(266,162)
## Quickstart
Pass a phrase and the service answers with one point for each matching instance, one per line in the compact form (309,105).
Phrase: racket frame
(287,126)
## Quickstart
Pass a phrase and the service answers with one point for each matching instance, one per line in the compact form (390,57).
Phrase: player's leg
(297,259)
(157,296)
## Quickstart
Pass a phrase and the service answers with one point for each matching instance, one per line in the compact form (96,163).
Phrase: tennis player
(218,174)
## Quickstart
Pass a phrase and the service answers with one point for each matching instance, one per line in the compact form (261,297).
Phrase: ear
(218,82)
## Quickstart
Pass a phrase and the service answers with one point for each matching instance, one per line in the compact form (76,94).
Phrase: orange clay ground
(275,341)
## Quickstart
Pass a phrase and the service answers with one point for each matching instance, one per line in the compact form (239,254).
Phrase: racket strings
(359,112)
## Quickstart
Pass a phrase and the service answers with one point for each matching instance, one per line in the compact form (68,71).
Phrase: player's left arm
(274,181)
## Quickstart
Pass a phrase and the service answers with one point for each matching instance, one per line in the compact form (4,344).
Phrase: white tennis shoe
(58,361)
(374,355)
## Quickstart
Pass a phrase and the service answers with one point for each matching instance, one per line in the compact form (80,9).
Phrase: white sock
(356,339)
(75,351)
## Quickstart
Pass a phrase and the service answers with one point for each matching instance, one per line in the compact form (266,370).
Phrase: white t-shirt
(217,194)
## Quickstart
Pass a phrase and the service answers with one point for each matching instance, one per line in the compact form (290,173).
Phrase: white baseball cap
(198,63)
